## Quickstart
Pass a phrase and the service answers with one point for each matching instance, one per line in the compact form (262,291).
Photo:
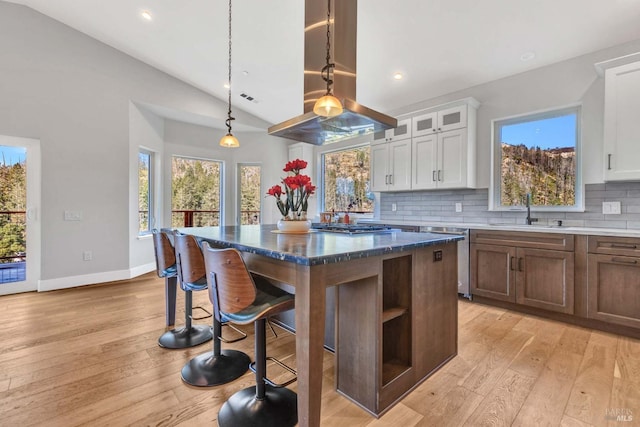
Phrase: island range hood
(356,119)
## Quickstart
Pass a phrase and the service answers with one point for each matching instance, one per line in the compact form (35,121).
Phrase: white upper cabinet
(402,131)
(440,121)
(622,123)
(391,166)
(434,148)
(443,160)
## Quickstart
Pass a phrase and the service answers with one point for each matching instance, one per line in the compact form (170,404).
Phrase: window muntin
(345,180)
(539,154)
(145,193)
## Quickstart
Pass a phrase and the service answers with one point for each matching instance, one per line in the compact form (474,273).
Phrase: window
(195,192)
(250,196)
(537,154)
(345,180)
(145,193)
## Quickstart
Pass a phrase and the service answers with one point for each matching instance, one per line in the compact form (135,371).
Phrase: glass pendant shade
(328,106)
(229,141)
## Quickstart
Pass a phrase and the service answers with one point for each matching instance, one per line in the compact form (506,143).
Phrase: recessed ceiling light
(227,85)
(146,15)
(527,56)
(397,76)
(245,73)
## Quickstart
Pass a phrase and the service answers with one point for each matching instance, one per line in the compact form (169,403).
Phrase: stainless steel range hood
(356,119)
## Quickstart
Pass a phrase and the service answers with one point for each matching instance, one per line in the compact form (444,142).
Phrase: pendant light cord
(229,118)
(327,68)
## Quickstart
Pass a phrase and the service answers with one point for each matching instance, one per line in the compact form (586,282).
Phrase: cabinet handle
(439,175)
(433,176)
(624,260)
(391,179)
(386,179)
(511,261)
(623,246)
(609,161)
(520,266)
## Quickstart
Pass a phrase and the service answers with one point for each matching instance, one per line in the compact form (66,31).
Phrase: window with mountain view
(195,192)
(538,154)
(346,180)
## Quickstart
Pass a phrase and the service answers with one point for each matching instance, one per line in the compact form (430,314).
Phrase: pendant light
(328,105)
(229,140)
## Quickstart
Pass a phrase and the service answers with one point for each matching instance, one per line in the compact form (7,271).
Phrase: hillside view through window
(13,204)
(538,156)
(346,180)
(195,192)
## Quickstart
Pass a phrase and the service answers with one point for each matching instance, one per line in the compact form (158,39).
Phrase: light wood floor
(89,356)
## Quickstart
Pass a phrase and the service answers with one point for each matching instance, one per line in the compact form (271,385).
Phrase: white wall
(74,94)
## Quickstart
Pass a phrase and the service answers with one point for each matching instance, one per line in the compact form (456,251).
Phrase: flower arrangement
(297,189)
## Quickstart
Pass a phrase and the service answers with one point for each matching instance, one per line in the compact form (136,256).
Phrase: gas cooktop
(351,228)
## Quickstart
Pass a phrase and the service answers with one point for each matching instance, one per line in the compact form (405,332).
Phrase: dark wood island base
(398,326)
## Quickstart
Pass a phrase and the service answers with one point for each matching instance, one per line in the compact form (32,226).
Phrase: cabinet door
(402,131)
(493,271)
(452,118)
(423,162)
(379,167)
(425,124)
(544,279)
(621,124)
(452,159)
(400,165)
(614,289)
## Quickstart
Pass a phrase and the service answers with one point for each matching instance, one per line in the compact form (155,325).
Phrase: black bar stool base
(207,370)
(279,408)
(185,338)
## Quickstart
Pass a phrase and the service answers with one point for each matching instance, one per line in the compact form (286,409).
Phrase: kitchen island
(397,306)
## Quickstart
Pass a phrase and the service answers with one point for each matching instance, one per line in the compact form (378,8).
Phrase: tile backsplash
(439,206)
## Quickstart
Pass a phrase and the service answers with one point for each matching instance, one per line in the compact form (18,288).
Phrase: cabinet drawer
(555,241)
(628,246)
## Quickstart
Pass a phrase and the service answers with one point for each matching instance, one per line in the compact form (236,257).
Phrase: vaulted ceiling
(439,46)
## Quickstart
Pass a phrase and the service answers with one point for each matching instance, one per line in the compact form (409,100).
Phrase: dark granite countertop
(314,247)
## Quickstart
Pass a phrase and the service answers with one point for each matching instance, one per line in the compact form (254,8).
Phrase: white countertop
(618,232)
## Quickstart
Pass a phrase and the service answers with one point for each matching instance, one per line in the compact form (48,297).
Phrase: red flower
(295,166)
(297,189)
(276,191)
(309,189)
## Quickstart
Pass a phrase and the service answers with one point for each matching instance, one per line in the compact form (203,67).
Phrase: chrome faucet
(529,219)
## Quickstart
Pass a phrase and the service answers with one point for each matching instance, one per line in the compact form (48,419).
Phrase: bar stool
(192,276)
(166,268)
(218,366)
(243,298)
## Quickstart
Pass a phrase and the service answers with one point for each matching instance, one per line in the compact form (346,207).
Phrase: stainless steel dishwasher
(463,255)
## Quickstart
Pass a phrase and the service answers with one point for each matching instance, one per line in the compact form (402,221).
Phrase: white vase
(294,226)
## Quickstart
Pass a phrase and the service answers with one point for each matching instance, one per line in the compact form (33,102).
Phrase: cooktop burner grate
(351,228)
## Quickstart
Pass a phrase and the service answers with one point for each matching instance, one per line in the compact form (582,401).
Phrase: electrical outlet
(87,255)
(611,208)
(458,207)
(73,215)
(394,207)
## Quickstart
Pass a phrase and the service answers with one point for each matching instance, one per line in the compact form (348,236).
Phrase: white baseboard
(94,278)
